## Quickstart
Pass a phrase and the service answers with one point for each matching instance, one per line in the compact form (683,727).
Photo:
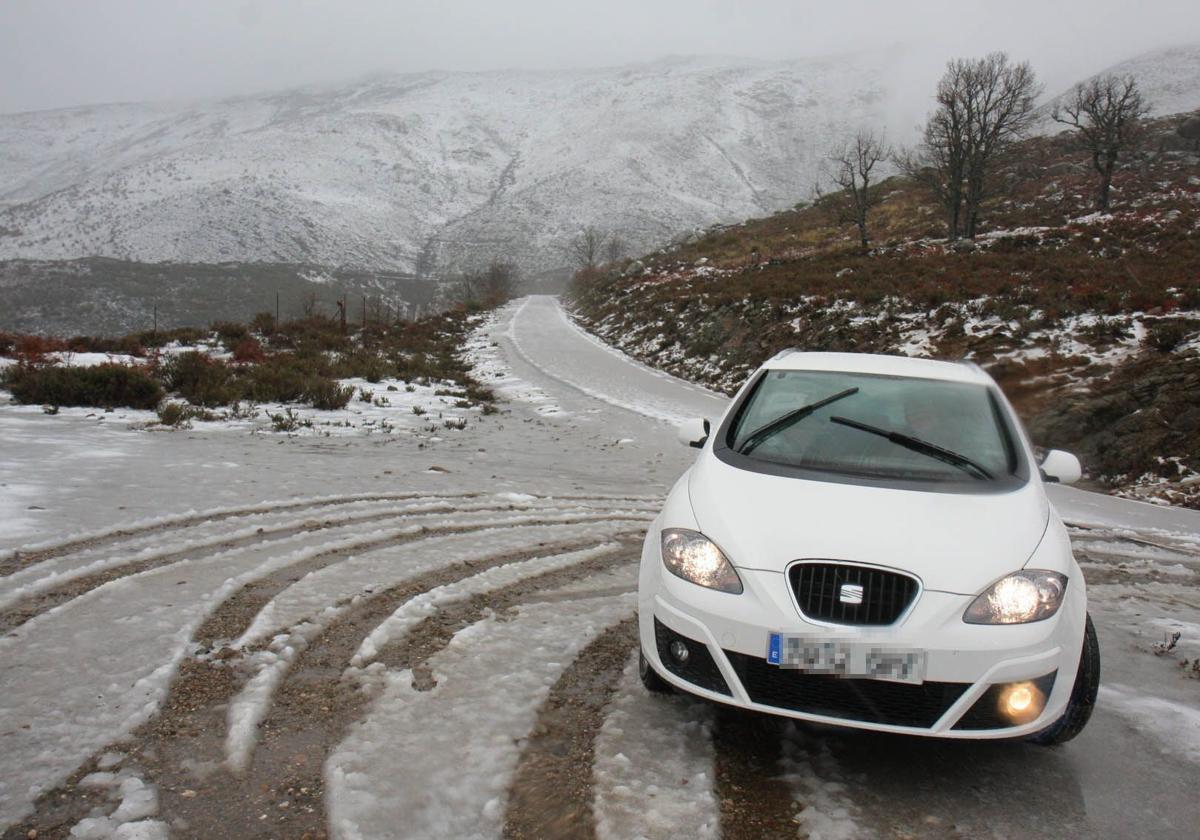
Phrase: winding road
(221,634)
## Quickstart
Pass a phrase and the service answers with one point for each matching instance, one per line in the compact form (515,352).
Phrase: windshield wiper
(924,447)
(780,423)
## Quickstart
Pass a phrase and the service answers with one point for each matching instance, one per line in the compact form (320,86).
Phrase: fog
(58,53)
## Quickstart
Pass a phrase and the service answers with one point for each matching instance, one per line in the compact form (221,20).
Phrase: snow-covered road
(216,633)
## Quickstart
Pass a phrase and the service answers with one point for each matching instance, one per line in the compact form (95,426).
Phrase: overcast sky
(56,53)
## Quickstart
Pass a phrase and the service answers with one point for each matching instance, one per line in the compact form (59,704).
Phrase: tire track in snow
(436,756)
(653,773)
(300,722)
(47,593)
(45,573)
(755,801)
(29,555)
(194,691)
(23,557)
(55,590)
(552,789)
(314,705)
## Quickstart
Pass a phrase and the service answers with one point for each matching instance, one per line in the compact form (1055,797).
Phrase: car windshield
(882,426)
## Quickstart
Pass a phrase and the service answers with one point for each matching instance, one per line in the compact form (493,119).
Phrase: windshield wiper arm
(782,422)
(924,447)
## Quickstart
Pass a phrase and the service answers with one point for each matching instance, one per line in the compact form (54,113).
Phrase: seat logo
(851,593)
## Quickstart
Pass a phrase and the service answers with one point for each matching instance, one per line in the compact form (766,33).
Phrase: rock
(964,246)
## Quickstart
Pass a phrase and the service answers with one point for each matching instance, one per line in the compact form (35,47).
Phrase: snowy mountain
(426,173)
(431,171)
(1169,79)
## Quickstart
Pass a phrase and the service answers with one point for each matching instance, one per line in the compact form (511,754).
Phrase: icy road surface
(429,634)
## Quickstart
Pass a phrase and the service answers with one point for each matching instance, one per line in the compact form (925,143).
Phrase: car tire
(650,678)
(1083,694)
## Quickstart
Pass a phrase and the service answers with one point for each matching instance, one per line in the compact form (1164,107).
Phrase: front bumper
(729,636)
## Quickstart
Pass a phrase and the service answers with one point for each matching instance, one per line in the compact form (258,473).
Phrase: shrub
(102,386)
(128,345)
(288,421)
(180,415)
(263,323)
(200,379)
(35,347)
(248,351)
(1165,336)
(230,332)
(326,394)
(278,379)
(183,335)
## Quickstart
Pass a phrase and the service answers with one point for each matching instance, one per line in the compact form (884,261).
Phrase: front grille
(870,701)
(700,667)
(818,587)
(985,712)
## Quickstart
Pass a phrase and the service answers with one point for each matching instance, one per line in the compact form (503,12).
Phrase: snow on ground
(439,762)
(1079,507)
(540,325)
(253,702)
(492,369)
(1174,726)
(315,595)
(88,442)
(824,797)
(654,766)
(57,571)
(403,766)
(389,406)
(417,609)
(119,677)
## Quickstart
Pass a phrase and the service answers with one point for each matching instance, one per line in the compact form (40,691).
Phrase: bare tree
(491,285)
(615,247)
(1000,101)
(1107,114)
(586,249)
(470,283)
(850,166)
(499,282)
(983,106)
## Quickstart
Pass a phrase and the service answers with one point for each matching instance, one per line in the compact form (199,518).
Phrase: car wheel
(1083,694)
(650,678)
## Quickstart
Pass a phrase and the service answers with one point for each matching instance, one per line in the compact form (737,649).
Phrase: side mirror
(694,432)
(1061,467)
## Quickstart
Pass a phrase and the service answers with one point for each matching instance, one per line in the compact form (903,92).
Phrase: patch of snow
(401,766)
(1174,726)
(653,769)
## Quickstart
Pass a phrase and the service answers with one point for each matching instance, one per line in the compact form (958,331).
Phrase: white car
(866,541)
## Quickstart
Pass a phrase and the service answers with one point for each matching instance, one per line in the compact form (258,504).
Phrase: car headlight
(1022,597)
(693,557)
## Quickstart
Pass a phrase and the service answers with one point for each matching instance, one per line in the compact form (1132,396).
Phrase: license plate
(842,658)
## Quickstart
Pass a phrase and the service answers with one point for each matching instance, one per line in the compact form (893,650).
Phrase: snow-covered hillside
(429,171)
(1169,79)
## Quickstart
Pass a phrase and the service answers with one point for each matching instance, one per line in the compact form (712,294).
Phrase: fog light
(1021,702)
(679,652)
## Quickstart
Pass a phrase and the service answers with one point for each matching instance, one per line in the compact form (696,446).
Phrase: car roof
(879,365)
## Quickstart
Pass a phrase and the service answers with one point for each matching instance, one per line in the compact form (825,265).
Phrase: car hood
(954,542)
